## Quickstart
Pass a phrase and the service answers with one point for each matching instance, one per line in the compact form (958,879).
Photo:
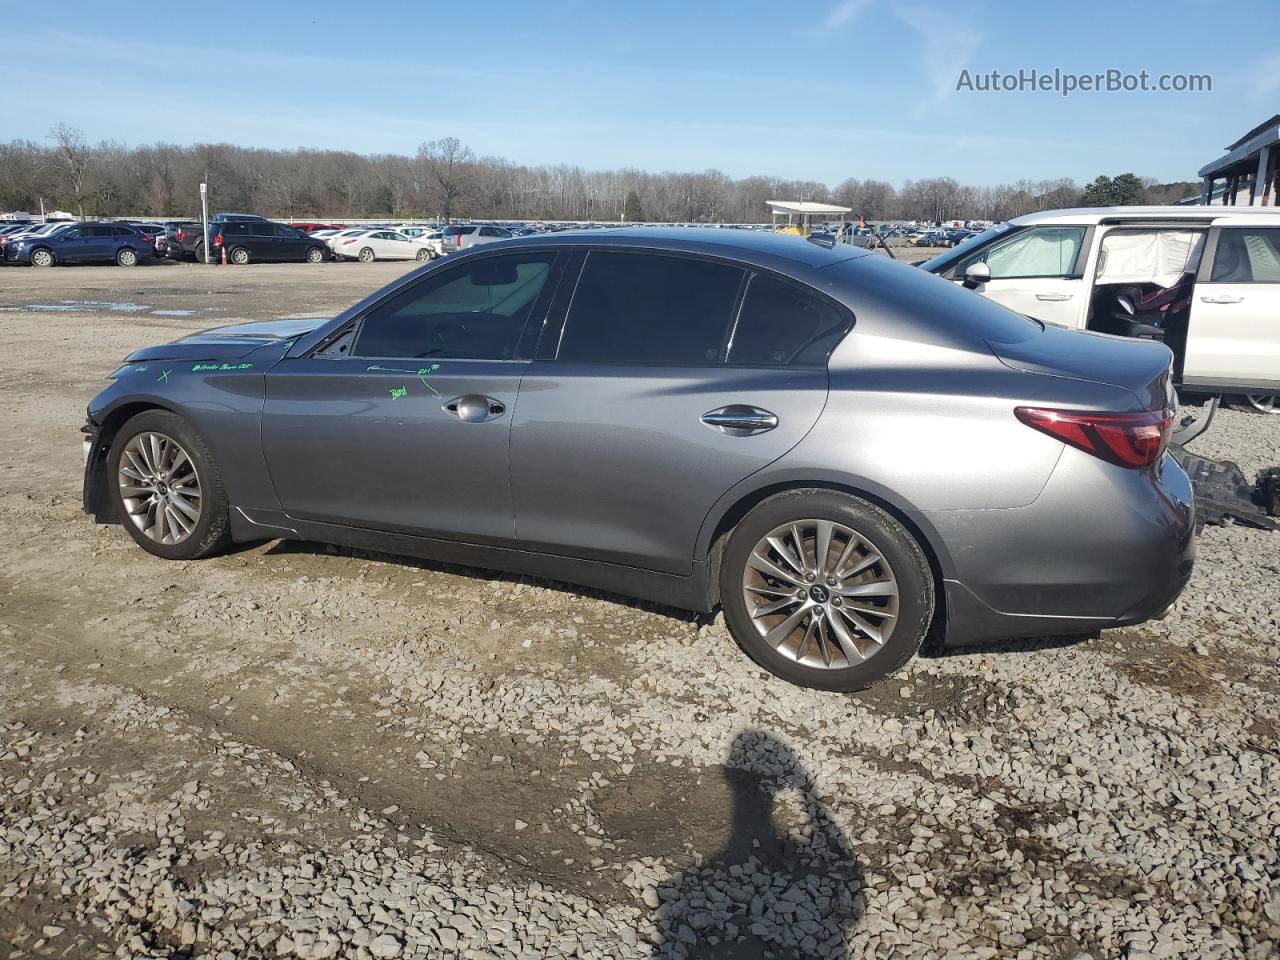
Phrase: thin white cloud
(947,41)
(844,12)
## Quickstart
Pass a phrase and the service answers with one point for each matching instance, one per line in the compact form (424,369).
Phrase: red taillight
(457,241)
(217,241)
(352,240)
(181,236)
(1130,440)
(147,238)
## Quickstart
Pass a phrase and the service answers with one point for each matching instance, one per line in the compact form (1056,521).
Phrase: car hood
(222,343)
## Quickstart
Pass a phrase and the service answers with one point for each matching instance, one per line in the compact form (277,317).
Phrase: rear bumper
(1101,547)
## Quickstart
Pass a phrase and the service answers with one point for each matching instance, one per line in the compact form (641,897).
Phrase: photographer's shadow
(765,894)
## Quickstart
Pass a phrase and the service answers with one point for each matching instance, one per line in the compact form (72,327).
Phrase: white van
(1204,280)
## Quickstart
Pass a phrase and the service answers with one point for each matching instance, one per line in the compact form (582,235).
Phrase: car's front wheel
(825,590)
(42,258)
(167,489)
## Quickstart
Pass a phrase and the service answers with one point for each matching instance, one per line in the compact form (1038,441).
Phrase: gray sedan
(839,451)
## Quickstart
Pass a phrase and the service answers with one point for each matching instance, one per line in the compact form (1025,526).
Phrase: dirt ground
(295,750)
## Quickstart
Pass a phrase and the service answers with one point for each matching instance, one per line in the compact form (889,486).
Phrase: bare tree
(448,163)
(70,160)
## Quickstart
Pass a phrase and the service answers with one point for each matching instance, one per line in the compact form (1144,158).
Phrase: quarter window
(781,324)
(1037,252)
(471,312)
(1247,255)
(647,309)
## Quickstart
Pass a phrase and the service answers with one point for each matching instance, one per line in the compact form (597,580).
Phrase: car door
(402,421)
(647,406)
(1233,337)
(1038,272)
(399,246)
(291,243)
(71,245)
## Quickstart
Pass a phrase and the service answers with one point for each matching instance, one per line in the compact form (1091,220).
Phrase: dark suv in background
(182,241)
(248,240)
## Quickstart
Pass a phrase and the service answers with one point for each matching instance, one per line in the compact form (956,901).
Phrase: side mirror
(976,273)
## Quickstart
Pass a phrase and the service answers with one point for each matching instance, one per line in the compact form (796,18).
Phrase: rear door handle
(1053,296)
(740,420)
(475,408)
(1222,299)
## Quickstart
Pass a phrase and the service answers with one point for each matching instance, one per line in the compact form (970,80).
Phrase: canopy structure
(1253,161)
(799,213)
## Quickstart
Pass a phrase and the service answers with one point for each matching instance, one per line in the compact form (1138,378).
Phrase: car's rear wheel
(366,255)
(423,255)
(315,255)
(240,256)
(42,258)
(1263,404)
(127,258)
(198,253)
(167,488)
(825,590)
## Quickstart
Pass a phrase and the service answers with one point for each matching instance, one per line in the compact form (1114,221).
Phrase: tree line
(445,178)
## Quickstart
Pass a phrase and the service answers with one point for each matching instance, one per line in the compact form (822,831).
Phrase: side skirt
(687,593)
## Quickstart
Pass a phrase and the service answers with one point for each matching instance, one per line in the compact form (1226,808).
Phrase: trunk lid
(1142,367)
(230,342)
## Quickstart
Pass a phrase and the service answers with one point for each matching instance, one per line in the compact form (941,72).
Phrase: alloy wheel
(160,487)
(820,594)
(42,258)
(1263,404)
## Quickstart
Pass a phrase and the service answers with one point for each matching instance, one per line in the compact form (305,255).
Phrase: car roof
(751,245)
(1096,215)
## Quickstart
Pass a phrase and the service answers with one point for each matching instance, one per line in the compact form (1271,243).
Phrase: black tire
(366,255)
(315,255)
(904,555)
(127,257)
(197,255)
(212,531)
(239,256)
(42,257)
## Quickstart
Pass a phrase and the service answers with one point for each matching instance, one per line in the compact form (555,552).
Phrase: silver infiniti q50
(841,452)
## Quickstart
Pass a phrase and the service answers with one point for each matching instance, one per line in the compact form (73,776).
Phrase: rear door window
(1247,255)
(649,309)
(475,311)
(780,324)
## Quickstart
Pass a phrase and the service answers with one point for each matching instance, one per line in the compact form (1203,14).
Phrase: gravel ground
(299,751)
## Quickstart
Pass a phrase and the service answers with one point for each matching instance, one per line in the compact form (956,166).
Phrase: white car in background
(337,236)
(370,245)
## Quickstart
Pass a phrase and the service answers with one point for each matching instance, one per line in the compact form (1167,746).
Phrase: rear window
(454,231)
(781,324)
(645,309)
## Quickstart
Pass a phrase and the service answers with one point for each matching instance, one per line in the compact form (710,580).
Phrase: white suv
(1203,280)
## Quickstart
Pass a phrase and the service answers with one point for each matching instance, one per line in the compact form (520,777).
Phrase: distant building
(1252,163)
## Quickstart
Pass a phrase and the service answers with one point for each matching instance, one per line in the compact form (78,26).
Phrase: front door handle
(475,408)
(1222,299)
(740,420)
(1055,297)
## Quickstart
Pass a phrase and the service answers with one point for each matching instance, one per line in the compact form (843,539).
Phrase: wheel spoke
(179,458)
(766,609)
(873,632)
(784,629)
(182,503)
(136,491)
(781,550)
(873,588)
(769,591)
(884,612)
(866,563)
(765,565)
(810,634)
(822,546)
(848,646)
(797,537)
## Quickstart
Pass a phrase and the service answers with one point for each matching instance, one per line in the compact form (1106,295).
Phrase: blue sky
(812,90)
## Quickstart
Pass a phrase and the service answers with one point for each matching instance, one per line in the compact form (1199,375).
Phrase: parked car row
(56,243)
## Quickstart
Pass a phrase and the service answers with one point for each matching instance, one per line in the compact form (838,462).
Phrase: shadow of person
(773,891)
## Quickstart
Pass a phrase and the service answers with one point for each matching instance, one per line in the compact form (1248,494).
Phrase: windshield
(943,260)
